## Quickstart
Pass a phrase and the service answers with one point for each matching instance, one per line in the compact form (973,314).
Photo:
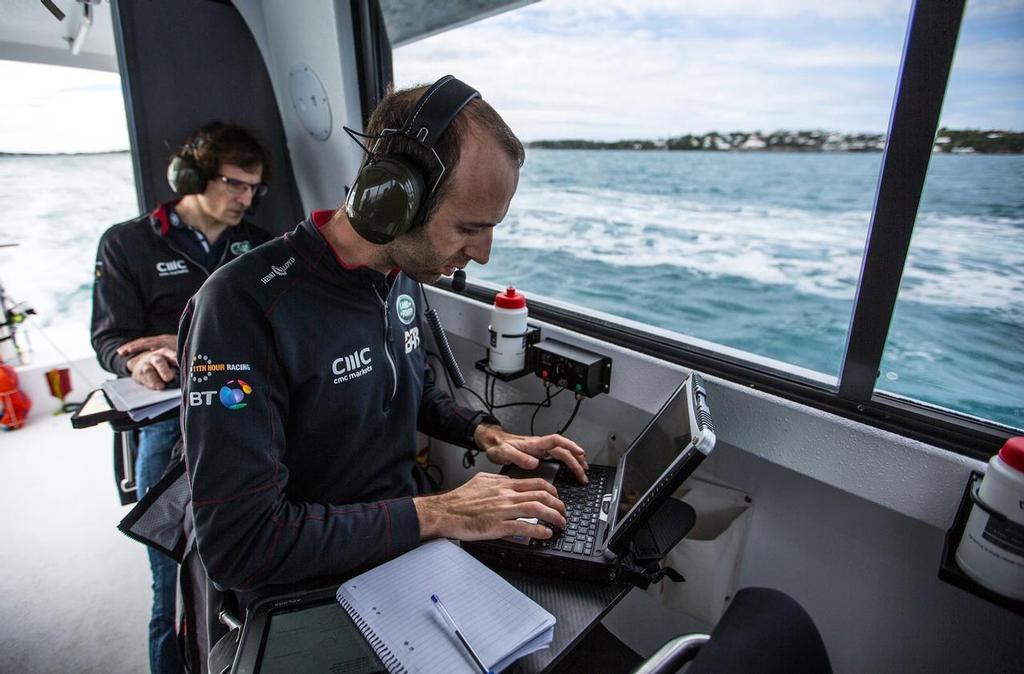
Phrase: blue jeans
(155,444)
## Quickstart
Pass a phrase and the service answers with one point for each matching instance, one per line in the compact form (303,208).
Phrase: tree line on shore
(967,141)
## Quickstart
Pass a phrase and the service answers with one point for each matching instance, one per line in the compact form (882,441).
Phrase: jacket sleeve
(249,533)
(118,312)
(443,418)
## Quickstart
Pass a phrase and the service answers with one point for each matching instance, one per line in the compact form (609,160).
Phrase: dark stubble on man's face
(416,256)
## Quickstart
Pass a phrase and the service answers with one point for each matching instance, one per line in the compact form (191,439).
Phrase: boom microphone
(459,281)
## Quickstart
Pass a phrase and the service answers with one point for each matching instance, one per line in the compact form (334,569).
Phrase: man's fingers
(519,528)
(146,375)
(572,461)
(541,497)
(538,510)
(140,344)
(149,343)
(509,454)
(169,354)
(163,368)
(533,484)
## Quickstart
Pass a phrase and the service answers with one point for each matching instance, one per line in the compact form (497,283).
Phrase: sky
(630,69)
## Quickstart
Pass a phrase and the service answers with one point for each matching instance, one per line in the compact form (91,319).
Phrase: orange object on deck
(13,402)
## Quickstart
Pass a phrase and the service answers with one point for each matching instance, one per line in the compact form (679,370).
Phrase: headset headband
(436,109)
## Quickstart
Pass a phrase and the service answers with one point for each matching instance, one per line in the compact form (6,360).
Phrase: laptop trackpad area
(547,470)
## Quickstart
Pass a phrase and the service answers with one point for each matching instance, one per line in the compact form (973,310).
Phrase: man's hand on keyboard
(526,451)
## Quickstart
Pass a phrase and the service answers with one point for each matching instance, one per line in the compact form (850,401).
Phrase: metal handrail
(673,654)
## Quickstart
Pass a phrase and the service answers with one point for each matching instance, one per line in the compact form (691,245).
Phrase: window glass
(957,336)
(67,176)
(703,167)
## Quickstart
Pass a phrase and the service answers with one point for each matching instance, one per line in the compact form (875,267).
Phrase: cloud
(615,70)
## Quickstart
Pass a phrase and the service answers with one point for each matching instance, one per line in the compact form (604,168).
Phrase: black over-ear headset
(183,173)
(391,195)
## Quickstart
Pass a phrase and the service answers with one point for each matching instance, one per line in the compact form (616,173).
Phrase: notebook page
(394,601)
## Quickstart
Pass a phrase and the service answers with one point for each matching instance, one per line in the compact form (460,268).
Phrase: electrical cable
(576,409)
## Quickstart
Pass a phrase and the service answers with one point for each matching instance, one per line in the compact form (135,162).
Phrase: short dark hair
(393,111)
(219,143)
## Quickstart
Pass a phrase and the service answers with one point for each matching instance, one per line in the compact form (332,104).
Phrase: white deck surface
(74,591)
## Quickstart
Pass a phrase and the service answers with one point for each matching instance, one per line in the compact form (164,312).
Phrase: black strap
(437,108)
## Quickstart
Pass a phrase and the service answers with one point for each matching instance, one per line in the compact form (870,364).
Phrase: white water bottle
(508,332)
(992,548)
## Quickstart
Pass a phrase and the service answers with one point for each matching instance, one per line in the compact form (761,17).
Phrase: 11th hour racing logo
(278,270)
(352,366)
(202,368)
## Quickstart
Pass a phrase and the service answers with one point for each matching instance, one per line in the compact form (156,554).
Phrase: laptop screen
(654,450)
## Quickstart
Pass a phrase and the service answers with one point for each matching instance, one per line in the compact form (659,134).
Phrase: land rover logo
(239,247)
(406,309)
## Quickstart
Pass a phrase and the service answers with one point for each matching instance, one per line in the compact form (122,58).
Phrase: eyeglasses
(236,186)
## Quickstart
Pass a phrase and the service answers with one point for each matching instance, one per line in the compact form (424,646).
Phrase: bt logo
(231,395)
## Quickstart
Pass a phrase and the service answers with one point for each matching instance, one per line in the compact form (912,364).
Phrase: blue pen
(458,633)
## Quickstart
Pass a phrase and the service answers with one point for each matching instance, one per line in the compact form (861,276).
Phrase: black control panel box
(583,372)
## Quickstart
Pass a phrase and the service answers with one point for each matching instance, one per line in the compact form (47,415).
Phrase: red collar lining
(320,219)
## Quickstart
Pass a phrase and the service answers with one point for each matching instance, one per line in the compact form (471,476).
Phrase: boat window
(703,168)
(957,335)
(67,176)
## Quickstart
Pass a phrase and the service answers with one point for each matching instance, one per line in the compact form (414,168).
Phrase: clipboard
(95,410)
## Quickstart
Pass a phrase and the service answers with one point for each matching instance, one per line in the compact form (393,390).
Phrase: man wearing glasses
(146,271)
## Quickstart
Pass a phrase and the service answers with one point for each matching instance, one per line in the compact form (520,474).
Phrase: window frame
(927,58)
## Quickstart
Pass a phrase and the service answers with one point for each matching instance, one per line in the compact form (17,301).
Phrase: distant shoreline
(947,141)
(62,154)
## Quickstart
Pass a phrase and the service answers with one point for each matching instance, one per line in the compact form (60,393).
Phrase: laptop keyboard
(582,508)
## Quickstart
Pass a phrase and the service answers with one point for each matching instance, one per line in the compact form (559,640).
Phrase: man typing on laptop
(304,377)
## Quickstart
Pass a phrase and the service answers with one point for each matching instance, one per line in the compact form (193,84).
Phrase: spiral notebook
(391,606)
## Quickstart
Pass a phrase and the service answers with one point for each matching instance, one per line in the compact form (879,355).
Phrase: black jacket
(306,382)
(143,281)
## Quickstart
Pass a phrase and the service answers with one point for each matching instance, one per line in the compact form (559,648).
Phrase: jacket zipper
(387,341)
(185,255)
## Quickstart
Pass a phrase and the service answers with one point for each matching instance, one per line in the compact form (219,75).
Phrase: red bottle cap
(510,299)
(1012,453)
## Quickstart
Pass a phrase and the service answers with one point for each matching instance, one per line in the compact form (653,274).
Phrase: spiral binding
(388,658)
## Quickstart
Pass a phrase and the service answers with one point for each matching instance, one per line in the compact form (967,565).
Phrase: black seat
(763,631)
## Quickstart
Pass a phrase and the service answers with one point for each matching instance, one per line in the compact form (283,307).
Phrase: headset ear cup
(385,199)
(183,175)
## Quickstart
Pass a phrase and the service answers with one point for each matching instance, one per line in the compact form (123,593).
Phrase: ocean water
(757,251)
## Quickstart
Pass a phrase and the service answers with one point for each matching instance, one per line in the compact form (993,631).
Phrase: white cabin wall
(315,36)
(847,519)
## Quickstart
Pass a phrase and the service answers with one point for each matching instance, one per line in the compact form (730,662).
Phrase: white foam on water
(954,260)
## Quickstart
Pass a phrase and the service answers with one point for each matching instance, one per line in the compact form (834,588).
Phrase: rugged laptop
(605,516)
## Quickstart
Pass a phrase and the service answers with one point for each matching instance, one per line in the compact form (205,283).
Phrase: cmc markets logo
(232,397)
(406,309)
(171,268)
(352,366)
(278,270)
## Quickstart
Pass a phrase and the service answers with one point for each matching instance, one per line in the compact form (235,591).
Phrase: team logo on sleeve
(277,270)
(239,247)
(203,367)
(406,309)
(232,395)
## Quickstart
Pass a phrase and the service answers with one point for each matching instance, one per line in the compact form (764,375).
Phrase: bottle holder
(950,571)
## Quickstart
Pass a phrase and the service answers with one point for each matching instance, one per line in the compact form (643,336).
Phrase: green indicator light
(579,387)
